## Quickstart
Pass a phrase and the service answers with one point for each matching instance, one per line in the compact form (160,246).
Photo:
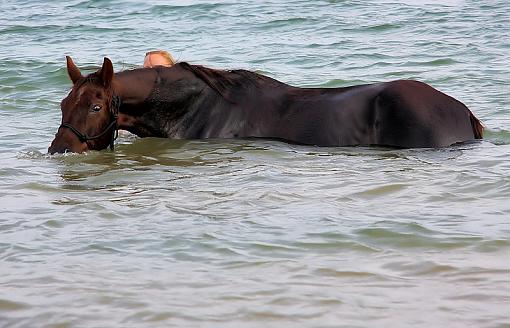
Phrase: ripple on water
(498,137)
(423,268)
(8,305)
(379,191)
(413,236)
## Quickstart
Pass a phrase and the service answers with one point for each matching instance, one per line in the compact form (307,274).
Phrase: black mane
(223,81)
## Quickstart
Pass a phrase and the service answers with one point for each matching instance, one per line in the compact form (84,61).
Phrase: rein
(114,111)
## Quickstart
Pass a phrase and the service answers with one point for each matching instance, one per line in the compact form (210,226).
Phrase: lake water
(255,233)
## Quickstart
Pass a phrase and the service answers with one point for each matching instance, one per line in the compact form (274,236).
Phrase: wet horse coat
(195,102)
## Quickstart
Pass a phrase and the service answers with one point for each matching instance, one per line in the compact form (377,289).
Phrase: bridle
(114,111)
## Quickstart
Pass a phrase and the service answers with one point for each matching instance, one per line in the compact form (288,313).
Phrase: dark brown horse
(195,102)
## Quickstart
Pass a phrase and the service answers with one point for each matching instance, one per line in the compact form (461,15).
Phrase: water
(251,233)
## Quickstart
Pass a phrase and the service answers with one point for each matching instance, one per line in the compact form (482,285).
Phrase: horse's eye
(96,108)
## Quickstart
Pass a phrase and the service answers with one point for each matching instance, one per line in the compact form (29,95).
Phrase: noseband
(114,111)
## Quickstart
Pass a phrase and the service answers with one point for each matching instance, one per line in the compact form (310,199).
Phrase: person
(158,58)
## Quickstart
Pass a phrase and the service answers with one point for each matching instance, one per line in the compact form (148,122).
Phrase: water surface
(251,233)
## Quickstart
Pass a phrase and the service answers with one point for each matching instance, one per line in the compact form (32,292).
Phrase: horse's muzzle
(58,150)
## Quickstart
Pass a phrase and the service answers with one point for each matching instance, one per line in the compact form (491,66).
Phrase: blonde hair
(164,54)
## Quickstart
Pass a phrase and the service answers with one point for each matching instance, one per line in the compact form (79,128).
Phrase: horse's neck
(154,101)
(176,103)
(134,86)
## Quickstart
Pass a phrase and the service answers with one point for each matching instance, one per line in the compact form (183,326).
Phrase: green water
(251,233)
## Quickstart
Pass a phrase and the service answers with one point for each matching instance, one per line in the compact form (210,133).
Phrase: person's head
(158,58)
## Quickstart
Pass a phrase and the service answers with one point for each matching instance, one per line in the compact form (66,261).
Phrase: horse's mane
(224,80)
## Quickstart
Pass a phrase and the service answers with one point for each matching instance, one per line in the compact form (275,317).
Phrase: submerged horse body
(195,102)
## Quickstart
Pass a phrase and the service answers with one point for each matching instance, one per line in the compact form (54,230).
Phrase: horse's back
(404,113)
(328,116)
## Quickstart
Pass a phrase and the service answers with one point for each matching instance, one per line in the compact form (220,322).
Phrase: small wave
(371,28)
(381,191)
(66,201)
(497,137)
(7,305)
(336,83)
(60,156)
(425,268)
(25,29)
(335,273)
(434,63)
(82,28)
(402,74)
(31,154)
(84,4)
(52,224)
(289,20)
(272,247)
(285,22)
(413,236)
(383,27)
(333,246)
(96,248)
(203,7)
(496,245)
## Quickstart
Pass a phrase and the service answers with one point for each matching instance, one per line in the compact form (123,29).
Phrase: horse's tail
(477,126)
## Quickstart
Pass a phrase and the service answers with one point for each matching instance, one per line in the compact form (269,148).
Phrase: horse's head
(89,112)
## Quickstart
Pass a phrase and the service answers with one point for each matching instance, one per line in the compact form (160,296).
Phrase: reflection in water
(142,154)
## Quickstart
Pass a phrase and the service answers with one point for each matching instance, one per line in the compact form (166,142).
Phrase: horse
(196,102)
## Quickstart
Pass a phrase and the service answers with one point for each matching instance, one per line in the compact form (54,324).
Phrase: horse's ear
(73,71)
(106,72)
